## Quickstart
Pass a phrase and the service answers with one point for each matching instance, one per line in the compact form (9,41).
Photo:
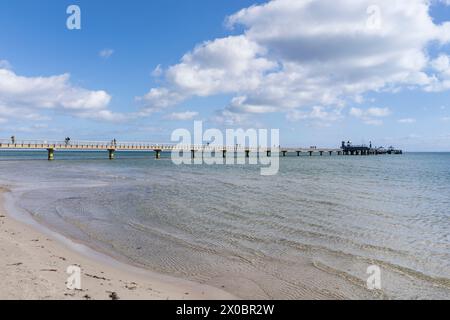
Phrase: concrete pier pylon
(111,153)
(50,154)
(157,153)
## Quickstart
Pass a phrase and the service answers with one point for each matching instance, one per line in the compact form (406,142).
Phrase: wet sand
(33,265)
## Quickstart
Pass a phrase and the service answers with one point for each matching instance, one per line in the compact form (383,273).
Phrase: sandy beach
(34,264)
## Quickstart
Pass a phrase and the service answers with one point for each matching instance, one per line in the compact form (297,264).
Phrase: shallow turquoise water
(311,230)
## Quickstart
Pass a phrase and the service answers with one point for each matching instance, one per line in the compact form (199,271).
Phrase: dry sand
(33,265)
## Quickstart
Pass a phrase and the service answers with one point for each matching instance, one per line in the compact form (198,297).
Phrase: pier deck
(157,148)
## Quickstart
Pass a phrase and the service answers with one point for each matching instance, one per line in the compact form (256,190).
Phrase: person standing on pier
(13,139)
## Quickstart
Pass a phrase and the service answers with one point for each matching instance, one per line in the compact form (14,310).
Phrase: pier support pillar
(284,153)
(111,154)
(268,153)
(310,153)
(247,153)
(192,154)
(157,154)
(224,153)
(298,153)
(321,153)
(331,153)
(51,153)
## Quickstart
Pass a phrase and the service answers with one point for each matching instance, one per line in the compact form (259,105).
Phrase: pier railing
(158,148)
(84,144)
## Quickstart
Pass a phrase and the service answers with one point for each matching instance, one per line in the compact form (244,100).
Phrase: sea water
(311,231)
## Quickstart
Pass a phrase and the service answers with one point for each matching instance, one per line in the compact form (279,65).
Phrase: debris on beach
(96,277)
(113,295)
(61,258)
(131,286)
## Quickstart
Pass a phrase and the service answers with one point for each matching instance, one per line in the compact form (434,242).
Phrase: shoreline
(34,263)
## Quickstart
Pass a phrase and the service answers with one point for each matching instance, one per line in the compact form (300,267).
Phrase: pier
(111,148)
(349,149)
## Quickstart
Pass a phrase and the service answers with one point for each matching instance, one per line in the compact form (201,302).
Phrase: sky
(375,70)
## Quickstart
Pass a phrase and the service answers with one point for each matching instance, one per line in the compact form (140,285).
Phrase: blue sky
(277,65)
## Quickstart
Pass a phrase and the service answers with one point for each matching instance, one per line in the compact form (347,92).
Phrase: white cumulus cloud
(407,120)
(106,53)
(296,54)
(26,97)
(4,64)
(371,115)
(182,116)
(316,113)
